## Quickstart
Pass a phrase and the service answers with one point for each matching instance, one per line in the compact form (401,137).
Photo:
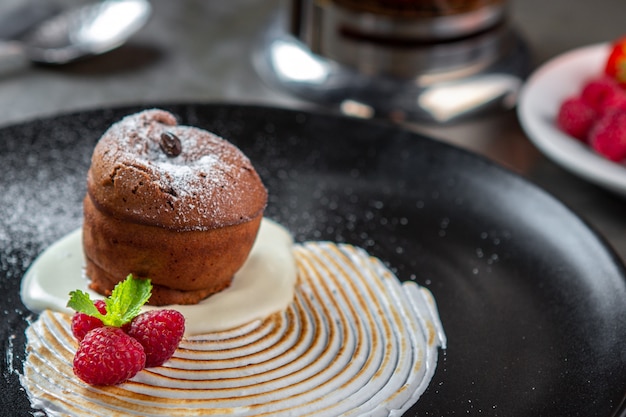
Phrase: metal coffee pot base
(478,85)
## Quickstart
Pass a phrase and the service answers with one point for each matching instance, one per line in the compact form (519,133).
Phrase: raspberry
(615,102)
(576,118)
(108,356)
(82,323)
(608,137)
(597,91)
(159,332)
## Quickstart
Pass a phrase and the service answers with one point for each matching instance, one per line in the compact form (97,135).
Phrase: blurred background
(201,50)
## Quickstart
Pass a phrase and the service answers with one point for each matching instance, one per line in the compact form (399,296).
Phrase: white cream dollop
(264,284)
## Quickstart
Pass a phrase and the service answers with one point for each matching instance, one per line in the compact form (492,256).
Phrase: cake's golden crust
(187,222)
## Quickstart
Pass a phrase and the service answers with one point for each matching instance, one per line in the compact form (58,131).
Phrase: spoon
(80,32)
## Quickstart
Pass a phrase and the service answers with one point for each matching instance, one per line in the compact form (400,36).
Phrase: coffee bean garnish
(170,144)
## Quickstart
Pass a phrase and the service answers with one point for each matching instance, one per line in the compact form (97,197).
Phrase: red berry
(576,118)
(615,102)
(159,332)
(82,323)
(615,66)
(608,136)
(597,91)
(108,356)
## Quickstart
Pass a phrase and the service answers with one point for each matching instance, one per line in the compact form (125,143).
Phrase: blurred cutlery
(81,32)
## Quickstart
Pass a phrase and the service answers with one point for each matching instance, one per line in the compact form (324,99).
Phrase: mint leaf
(126,300)
(122,306)
(81,302)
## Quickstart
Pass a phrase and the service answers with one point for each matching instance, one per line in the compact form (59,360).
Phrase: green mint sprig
(122,306)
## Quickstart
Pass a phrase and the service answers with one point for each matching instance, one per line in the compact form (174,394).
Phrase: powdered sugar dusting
(211,183)
(31,221)
(183,179)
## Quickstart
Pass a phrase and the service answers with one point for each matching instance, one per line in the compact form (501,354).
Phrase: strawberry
(608,136)
(83,323)
(576,118)
(108,356)
(615,66)
(159,332)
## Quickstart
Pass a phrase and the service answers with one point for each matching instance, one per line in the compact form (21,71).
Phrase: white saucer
(540,99)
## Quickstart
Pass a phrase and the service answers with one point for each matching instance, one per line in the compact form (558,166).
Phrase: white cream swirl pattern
(355,341)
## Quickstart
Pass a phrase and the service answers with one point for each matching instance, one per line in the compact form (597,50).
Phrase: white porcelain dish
(540,98)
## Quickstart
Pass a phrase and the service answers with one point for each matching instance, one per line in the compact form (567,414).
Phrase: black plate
(532,301)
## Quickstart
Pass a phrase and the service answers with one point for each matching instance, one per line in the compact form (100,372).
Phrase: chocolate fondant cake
(172,203)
